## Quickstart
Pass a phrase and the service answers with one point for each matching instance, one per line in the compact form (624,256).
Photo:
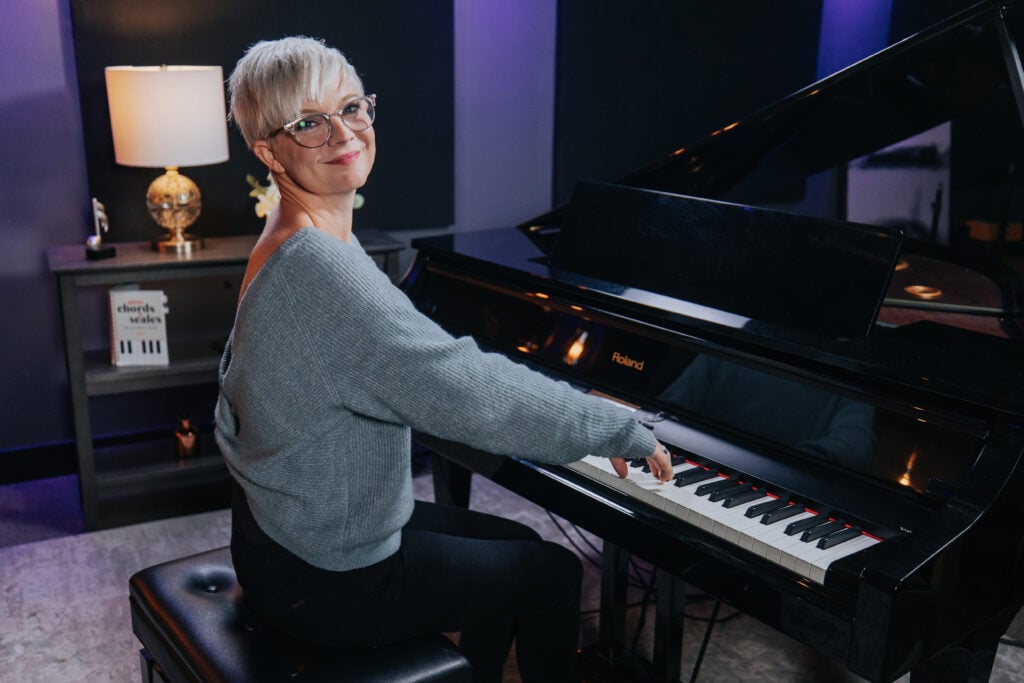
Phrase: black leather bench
(194,626)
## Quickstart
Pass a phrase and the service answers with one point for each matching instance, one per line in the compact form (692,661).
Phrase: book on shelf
(138,326)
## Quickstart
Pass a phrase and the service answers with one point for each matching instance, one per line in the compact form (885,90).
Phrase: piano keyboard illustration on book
(138,327)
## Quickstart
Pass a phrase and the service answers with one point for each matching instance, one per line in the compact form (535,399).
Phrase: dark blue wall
(43,201)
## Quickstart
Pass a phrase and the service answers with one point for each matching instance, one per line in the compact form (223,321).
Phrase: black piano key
(782,513)
(805,524)
(674,460)
(766,507)
(694,476)
(728,492)
(838,537)
(822,530)
(712,486)
(647,468)
(744,497)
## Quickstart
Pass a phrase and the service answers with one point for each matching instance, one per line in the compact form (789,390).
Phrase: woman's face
(341,165)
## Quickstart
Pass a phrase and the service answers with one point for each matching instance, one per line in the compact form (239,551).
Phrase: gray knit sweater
(327,368)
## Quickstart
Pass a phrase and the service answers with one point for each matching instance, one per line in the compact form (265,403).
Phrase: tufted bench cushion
(194,626)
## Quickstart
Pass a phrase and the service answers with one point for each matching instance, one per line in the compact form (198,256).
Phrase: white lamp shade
(167,115)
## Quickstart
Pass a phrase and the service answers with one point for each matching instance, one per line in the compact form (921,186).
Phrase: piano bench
(193,624)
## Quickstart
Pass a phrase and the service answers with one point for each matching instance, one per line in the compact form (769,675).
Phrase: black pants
(493,579)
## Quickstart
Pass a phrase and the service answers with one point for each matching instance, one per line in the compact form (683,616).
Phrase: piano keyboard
(789,535)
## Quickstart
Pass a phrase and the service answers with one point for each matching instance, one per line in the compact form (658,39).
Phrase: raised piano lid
(820,276)
(797,155)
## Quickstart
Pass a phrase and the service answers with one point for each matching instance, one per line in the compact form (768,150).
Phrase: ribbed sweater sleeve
(328,367)
(396,364)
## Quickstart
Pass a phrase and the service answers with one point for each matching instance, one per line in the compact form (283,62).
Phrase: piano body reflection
(847,451)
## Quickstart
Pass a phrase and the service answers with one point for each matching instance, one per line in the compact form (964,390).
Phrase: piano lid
(963,73)
(815,275)
(947,73)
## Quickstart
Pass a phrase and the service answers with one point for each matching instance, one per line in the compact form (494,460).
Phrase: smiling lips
(346,159)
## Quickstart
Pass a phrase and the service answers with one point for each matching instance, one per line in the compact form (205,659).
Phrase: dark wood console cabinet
(140,469)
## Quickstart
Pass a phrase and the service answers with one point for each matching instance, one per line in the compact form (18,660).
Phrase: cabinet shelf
(151,465)
(190,363)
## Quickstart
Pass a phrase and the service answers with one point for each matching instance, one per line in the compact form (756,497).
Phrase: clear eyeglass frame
(315,130)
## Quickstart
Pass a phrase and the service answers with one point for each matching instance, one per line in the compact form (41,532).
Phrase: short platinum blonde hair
(275,78)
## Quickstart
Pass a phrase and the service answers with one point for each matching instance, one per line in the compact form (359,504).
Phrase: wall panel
(401,48)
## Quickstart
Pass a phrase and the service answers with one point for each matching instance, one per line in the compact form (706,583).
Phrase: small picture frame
(94,247)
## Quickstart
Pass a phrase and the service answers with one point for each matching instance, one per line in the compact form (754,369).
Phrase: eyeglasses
(314,130)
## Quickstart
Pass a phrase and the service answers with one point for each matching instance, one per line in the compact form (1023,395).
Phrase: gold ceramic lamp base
(174,202)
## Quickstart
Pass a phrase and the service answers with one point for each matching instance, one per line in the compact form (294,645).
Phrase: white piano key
(789,552)
(741,524)
(769,544)
(599,468)
(819,565)
(679,503)
(729,520)
(806,550)
(648,486)
(702,514)
(751,532)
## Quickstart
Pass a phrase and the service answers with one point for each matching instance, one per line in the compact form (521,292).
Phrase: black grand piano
(844,400)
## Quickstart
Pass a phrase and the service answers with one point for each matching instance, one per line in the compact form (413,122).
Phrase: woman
(327,369)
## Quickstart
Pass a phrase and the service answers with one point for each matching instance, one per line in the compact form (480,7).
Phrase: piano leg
(451,482)
(668,626)
(610,658)
(611,655)
(614,583)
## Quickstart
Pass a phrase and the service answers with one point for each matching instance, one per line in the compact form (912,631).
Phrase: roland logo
(623,359)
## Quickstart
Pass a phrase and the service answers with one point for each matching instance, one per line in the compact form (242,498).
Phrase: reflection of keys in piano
(785,533)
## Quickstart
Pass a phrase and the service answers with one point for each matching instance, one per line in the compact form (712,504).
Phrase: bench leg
(150,670)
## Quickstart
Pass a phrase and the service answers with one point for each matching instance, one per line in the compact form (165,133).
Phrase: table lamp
(169,116)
